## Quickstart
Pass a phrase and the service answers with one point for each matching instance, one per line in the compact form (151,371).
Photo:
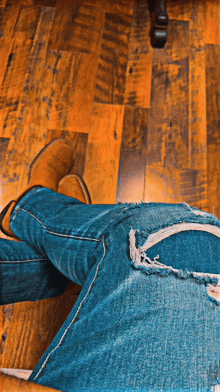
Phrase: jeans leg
(67,231)
(27,274)
(136,324)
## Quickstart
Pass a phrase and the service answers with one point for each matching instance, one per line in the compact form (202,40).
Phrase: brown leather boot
(74,186)
(52,163)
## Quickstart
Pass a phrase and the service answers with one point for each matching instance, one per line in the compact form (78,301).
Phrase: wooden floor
(144,122)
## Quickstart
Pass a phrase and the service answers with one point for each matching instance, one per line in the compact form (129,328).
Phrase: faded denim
(146,318)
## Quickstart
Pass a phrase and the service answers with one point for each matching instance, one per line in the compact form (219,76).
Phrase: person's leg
(27,274)
(138,322)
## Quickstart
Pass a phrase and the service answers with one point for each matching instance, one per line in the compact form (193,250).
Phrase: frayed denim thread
(140,260)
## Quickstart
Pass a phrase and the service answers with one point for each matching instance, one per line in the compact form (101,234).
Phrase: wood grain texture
(140,57)
(9,19)
(4,142)
(212,21)
(73,100)
(77,28)
(197,109)
(117,6)
(167,137)
(102,157)
(133,155)
(33,110)
(179,10)
(43,3)
(110,83)
(3,148)
(168,124)
(213,133)
(2,15)
(12,83)
(3,3)
(27,21)
(5,323)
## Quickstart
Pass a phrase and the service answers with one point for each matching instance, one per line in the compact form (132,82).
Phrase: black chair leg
(159,24)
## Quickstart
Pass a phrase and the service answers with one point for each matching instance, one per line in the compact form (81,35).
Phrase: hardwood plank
(4,142)
(10,17)
(102,157)
(12,84)
(3,148)
(197,196)
(14,57)
(3,3)
(161,184)
(115,6)
(2,9)
(73,101)
(44,3)
(118,6)
(110,84)
(140,57)
(6,313)
(174,185)
(193,188)
(8,110)
(79,143)
(168,124)
(132,165)
(6,45)
(213,132)
(197,87)
(167,137)
(179,10)
(212,22)
(27,21)
(33,110)
(77,28)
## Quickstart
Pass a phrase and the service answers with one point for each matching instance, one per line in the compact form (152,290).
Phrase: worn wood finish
(144,122)
(213,133)
(110,83)
(73,100)
(103,152)
(140,56)
(132,166)
(167,135)
(77,28)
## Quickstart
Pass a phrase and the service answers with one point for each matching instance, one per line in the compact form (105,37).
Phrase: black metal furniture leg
(160,24)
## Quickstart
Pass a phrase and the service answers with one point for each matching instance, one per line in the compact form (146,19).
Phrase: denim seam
(58,234)
(18,205)
(22,261)
(76,314)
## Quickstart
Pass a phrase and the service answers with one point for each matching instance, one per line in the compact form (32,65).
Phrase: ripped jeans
(147,317)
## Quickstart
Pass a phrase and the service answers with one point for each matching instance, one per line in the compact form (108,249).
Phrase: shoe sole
(82,185)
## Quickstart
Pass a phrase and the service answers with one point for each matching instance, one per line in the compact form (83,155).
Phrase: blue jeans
(147,317)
